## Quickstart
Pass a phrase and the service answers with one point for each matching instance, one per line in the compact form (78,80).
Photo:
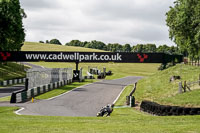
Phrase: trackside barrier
(165,110)
(12,82)
(89,77)
(25,95)
(130,99)
(41,76)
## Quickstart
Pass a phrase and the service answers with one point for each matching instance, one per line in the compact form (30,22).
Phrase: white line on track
(119,95)
(17,112)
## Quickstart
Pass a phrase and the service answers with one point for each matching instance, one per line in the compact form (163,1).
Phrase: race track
(83,101)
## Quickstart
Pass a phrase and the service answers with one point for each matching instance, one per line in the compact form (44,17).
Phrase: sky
(110,21)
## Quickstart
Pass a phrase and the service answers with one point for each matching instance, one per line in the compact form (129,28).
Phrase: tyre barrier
(109,73)
(101,76)
(12,82)
(89,77)
(166,110)
(25,95)
(94,71)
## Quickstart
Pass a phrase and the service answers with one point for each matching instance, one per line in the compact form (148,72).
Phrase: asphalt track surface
(7,91)
(83,101)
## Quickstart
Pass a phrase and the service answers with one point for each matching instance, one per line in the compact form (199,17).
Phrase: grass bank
(158,88)
(119,69)
(34,46)
(11,70)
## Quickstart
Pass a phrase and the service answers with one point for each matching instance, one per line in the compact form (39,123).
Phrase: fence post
(26,84)
(104,72)
(180,87)
(199,79)
(185,85)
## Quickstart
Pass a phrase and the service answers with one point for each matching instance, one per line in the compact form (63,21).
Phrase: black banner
(120,57)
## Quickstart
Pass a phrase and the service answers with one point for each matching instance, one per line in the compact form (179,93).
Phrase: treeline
(52,41)
(116,47)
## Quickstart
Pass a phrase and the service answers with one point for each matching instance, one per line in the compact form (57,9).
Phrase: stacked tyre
(165,110)
(109,73)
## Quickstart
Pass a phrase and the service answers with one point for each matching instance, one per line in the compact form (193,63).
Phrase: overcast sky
(110,21)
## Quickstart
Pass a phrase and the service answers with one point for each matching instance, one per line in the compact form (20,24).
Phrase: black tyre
(186,111)
(173,110)
(179,111)
(193,111)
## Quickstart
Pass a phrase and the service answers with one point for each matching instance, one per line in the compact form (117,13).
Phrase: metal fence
(42,76)
(188,85)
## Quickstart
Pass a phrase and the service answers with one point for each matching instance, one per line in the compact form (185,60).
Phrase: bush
(165,66)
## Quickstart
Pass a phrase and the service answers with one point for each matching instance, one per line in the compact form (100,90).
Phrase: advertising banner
(118,57)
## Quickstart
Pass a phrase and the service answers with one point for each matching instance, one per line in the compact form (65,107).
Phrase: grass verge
(124,120)
(122,99)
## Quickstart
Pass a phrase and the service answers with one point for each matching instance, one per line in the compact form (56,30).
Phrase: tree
(96,45)
(41,42)
(12,33)
(88,45)
(83,43)
(184,25)
(150,48)
(139,48)
(115,47)
(174,50)
(74,43)
(163,49)
(127,48)
(55,41)
(119,47)
(132,49)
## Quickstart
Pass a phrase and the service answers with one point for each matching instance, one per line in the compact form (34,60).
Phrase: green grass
(122,99)
(124,120)
(155,87)
(63,89)
(11,71)
(5,99)
(189,99)
(33,46)
(119,69)
(158,88)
